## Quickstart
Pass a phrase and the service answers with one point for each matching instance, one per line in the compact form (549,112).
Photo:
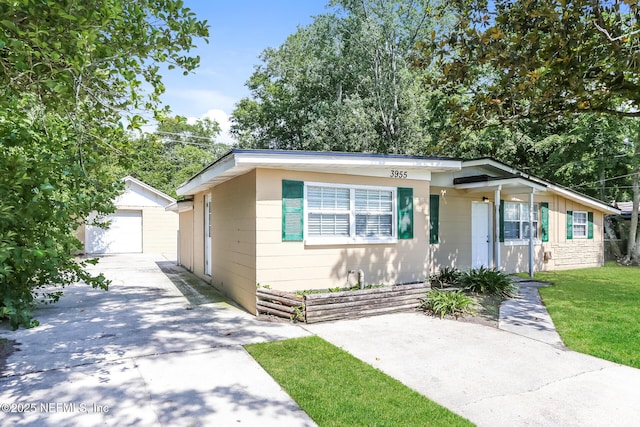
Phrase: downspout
(496,241)
(531,233)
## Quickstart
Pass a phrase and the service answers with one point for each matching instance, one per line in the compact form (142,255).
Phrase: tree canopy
(343,83)
(72,73)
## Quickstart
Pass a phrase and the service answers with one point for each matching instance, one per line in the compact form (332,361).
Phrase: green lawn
(336,389)
(597,311)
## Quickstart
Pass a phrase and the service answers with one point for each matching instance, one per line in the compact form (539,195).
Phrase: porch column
(496,241)
(531,233)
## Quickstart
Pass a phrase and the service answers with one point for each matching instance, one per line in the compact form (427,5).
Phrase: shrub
(453,303)
(448,276)
(489,281)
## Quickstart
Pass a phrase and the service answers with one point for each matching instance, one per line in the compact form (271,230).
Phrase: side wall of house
(294,265)
(454,247)
(159,231)
(233,231)
(185,251)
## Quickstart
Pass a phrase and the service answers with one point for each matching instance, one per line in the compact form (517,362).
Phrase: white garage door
(123,236)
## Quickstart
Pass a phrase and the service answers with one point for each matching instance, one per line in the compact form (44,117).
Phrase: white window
(580,224)
(344,214)
(516,220)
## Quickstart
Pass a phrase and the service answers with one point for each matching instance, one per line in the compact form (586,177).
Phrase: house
(140,223)
(297,220)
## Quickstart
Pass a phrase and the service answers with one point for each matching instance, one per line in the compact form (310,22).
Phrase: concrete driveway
(162,349)
(490,376)
(143,353)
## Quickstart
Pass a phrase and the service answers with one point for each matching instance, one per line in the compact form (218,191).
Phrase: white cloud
(223,120)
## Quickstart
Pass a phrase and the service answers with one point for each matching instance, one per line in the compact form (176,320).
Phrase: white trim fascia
(155,191)
(583,199)
(487,185)
(490,162)
(276,159)
(181,206)
(201,179)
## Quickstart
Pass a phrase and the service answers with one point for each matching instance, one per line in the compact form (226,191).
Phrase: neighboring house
(297,220)
(139,224)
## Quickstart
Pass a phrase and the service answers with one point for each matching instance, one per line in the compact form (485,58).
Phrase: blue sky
(240,30)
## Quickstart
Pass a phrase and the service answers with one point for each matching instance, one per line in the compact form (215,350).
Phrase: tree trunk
(632,245)
(612,236)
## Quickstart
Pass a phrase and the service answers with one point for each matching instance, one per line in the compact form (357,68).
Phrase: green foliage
(175,152)
(447,276)
(489,281)
(71,71)
(597,311)
(539,59)
(336,389)
(442,303)
(345,83)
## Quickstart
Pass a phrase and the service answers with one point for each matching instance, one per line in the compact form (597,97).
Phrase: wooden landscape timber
(319,307)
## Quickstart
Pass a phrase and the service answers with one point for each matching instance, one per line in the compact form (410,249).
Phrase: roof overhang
(180,206)
(239,162)
(524,183)
(513,185)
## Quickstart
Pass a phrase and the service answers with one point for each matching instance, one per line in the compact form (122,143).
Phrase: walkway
(526,314)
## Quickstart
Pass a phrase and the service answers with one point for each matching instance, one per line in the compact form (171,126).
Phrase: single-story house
(297,220)
(140,224)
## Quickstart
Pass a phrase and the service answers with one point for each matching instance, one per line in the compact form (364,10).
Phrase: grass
(336,389)
(597,311)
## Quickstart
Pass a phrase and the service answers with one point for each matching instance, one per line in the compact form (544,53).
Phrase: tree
(343,83)
(175,152)
(539,61)
(71,73)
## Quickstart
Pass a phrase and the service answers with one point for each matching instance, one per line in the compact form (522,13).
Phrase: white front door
(480,235)
(207,234)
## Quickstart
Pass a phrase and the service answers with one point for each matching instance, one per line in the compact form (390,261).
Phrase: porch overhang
(508,185)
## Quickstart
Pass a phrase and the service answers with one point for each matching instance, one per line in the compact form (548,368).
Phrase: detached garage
(140,223)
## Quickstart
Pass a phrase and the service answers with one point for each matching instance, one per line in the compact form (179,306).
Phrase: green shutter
(405,213)
(545,221)
(434,218)
(569,225)
(501,237)
(590,225)
(292,210)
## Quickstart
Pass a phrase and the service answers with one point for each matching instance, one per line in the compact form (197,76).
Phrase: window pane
(579,217)
(511,229)
(373,200)
(328,224)
(511,211)
(525,228)
(579,230)
(328,198)
(373,225)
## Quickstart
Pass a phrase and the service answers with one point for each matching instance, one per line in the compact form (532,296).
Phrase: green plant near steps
(453,303)
(447,276)
(488,281)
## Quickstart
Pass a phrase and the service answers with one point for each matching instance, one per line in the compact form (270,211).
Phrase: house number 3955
(398,174)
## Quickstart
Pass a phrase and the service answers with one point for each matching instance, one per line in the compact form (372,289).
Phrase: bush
(453,303)
(448,276)
(488,281)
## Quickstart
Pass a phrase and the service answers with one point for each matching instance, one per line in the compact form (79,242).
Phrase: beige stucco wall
(233,239)
(297,266)
(185,250)
(159,231)
(454,248)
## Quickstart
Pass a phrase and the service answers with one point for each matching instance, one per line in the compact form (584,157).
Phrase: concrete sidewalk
(143,353)
(491,377)
(527,315)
